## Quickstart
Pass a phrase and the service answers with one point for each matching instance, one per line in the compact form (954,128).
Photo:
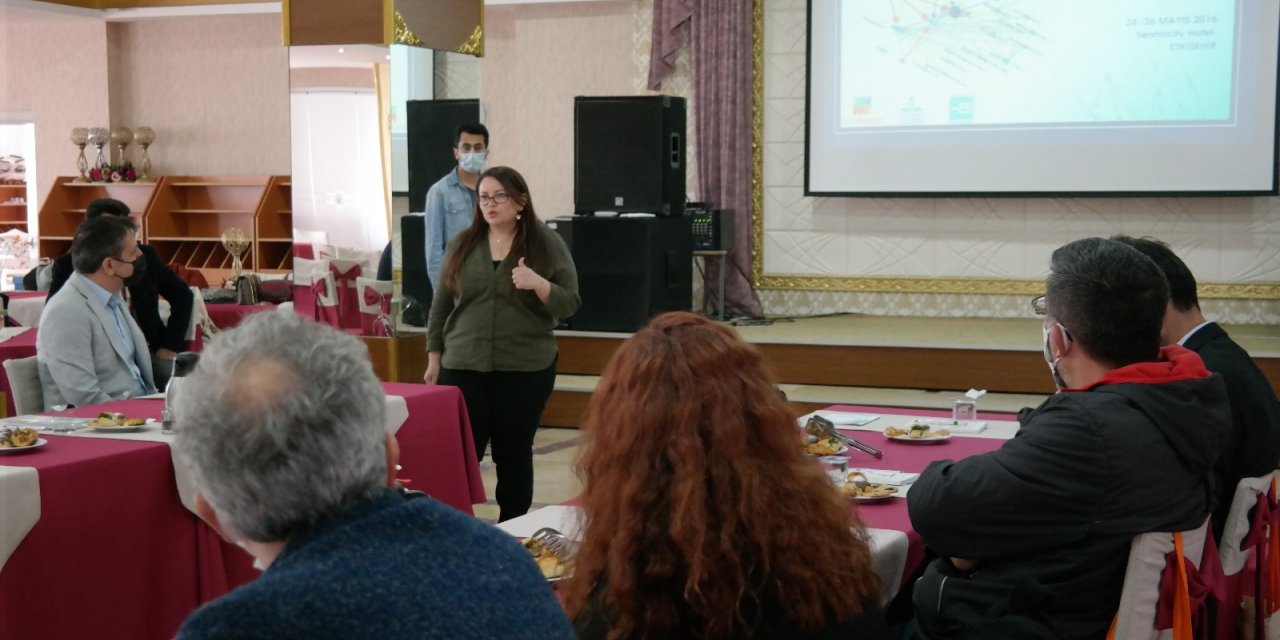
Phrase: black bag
(248,289)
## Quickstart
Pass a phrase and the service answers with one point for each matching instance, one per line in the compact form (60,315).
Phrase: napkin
(885,476)
(559,517)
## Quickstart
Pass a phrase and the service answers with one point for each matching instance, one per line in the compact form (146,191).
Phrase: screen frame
(810,192)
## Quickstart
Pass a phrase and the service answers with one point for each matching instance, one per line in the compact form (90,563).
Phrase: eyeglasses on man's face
(497,198)
(1039,306)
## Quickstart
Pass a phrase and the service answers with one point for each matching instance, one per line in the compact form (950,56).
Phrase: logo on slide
(962,108)
(862,106)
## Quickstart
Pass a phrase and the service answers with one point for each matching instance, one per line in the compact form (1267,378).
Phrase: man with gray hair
(281,425)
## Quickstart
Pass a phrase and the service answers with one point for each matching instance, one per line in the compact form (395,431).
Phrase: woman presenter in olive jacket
(507,282)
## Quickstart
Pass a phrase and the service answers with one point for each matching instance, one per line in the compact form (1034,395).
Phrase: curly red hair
(698,499)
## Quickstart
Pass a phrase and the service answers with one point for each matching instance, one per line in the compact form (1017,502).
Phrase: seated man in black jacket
(1034,537)
(164,341)
(1252,447)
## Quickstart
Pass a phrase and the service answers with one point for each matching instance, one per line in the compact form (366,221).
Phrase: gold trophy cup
(236,243)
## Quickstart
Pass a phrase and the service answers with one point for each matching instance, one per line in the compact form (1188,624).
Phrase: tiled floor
(553,477)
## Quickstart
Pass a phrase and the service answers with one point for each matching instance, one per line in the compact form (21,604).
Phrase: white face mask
(1053,362)
(472,162)
(257,563)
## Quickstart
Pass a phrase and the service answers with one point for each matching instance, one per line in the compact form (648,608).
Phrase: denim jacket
(449,210)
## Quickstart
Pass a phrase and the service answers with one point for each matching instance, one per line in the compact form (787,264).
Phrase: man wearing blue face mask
(451,201)
(1033,538)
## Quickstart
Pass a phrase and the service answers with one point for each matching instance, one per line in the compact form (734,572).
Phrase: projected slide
(1034,64)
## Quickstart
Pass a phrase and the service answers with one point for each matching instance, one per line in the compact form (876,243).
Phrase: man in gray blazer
(89,347)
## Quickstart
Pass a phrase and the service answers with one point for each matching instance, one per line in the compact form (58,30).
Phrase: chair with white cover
(1250,552)
(305,272)
(327,310)
(375,306)
(345,273)
(1140,596)
(24,384)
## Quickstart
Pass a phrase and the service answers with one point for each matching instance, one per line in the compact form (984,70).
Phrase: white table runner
(888,547)
(26,311)
(7,333)
(396,414)
(19,506)
(996,429)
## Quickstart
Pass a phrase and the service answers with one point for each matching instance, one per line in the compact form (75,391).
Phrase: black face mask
(139,270)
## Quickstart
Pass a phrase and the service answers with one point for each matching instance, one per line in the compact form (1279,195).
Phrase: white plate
(895,494)
(121,428)
(40,442)
(874,498)
(933,439)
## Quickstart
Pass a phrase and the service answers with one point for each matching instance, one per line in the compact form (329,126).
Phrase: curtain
(720,33)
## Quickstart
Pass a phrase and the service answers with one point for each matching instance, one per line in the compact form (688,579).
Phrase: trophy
(236,243)
(144,136)
(80,137)
(98,137)
(121,137)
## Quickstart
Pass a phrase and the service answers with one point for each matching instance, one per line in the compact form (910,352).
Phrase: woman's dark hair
(1110,297)
(528,242)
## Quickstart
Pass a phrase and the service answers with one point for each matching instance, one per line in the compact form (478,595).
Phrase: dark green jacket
(492,326)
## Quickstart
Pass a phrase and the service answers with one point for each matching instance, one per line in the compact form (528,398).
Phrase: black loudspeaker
(432,126)
(629,269)
(413,269)
(629,154)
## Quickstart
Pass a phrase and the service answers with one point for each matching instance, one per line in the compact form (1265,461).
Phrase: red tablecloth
(225,316)
(116,555)
(912,458)
(18,295)
(23,346)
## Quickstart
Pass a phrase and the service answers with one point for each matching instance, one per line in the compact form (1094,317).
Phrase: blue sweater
(391,568)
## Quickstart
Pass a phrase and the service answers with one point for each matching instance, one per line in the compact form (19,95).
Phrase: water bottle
(183,364)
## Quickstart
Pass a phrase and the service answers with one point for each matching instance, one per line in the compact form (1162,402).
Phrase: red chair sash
(348,304)
(373,296)
(321,288)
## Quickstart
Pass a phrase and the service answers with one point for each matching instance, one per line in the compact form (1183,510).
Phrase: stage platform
(878,360)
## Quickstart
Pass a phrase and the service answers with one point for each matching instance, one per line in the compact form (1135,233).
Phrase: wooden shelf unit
(183,218)
(13,215)
(63,210)
(273,230)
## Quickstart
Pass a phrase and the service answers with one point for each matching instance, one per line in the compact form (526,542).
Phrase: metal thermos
(183,364)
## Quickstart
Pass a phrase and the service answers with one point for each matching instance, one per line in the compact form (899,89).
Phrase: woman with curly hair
(702,516)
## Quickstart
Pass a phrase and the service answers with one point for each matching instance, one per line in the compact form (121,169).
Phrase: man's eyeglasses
(1038,305)
(497,198)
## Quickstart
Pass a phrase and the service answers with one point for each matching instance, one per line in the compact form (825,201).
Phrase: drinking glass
(964,410)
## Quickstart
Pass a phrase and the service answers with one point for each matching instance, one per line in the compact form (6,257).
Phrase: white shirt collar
(1193,331)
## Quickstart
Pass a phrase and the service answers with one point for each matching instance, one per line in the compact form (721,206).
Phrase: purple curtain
(720,31)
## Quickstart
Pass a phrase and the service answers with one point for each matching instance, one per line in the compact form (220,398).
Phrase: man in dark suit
(1252,447)
(163,341)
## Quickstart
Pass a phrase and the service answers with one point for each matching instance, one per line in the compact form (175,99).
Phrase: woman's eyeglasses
(497,198)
